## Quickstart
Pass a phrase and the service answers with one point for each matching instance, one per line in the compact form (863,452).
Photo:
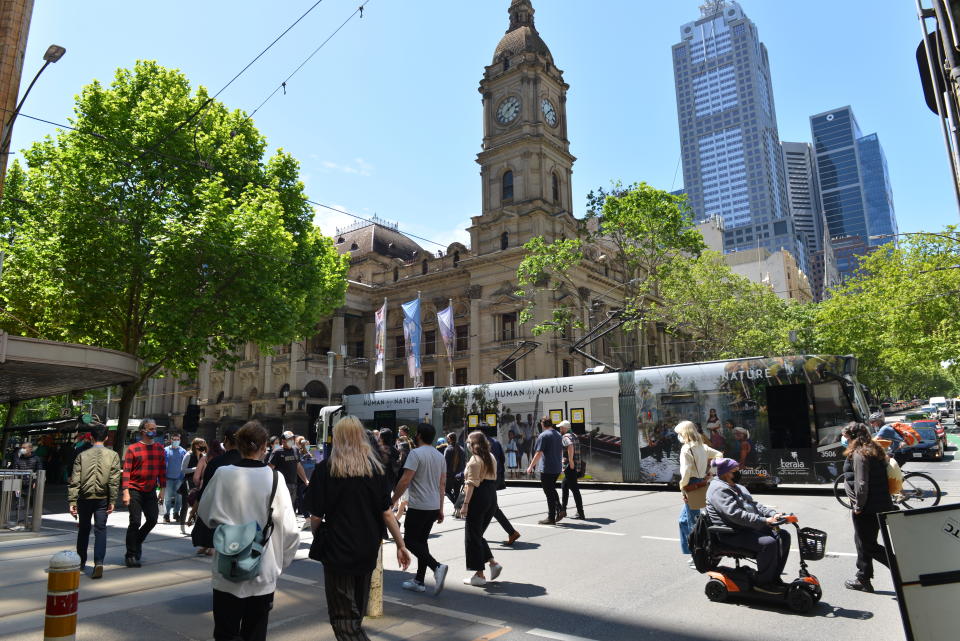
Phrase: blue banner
(412,331)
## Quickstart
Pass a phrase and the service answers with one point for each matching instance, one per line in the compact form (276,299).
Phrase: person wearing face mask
(144,470)
(174,455)
(286,460)
(731,505)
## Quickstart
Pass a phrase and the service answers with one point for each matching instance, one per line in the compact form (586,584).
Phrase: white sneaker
(439,576)
(495,571)
(413,585)
(475,580)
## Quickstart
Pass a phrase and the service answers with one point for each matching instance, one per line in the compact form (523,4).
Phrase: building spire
(712,7)
(521,14)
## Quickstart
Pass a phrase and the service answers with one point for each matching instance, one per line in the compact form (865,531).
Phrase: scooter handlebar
(786,518)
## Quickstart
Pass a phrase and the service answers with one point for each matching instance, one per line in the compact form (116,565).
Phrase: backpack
(240,547)
(910,436)
(699,542)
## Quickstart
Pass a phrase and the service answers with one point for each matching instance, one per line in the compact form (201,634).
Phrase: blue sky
(386,119)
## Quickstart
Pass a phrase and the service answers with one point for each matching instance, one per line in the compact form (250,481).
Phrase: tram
(781,417)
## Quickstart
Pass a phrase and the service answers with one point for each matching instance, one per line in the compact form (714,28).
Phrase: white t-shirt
(428,466)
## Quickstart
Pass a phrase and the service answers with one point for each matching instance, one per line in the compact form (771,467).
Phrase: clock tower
(525,165)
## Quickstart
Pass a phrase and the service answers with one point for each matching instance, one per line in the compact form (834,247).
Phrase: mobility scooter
(800,594)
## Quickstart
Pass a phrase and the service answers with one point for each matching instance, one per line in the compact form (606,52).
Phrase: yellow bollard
(375,603)
(63,579)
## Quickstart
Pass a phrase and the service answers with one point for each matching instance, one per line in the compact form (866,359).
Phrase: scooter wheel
(716,590)
(817,594)
(799,600)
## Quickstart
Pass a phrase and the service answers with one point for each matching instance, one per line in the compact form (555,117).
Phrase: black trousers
(866,528)
(97,510)
(240,619)
(549,484)
(347,604)
(483,504)
(772,549)
(503,521)
(570,486)
(416,529)
(142,505)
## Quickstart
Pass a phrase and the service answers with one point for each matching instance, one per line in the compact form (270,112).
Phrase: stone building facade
(526,171)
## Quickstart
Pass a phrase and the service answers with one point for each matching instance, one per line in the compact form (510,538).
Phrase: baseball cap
(287,434)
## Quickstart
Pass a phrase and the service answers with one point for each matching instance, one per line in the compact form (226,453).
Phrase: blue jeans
(172,498)
(688,518)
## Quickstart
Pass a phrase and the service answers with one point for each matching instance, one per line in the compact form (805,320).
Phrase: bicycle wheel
(840,491)
(919,490)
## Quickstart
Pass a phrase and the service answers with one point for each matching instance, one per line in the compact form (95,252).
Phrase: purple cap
(725,465)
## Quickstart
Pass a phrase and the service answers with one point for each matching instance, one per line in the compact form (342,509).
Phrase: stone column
(337,332)
(476,337)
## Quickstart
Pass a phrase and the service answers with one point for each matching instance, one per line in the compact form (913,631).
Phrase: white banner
(445,323)
(380,337)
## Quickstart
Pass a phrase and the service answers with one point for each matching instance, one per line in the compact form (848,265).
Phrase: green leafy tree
(644,233)
(723,314)
(158,227)
(900,314)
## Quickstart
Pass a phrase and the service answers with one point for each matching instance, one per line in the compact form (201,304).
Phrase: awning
(34,368)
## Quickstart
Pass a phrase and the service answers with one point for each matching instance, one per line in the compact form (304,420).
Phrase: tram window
(600,418)
(833,411)
(789,416)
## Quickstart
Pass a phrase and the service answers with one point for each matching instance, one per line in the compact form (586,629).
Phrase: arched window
(219,397)
(504,240)
(506,193)
(556,189)
(424,268)
(396,274)
(456,259)
(506,63)
(354,247)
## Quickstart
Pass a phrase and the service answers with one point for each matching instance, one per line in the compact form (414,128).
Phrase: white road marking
(559,636)
(572,529)
(297,579)
(667,538)
(453,614)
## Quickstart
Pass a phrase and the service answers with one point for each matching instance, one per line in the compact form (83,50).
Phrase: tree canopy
(157,226)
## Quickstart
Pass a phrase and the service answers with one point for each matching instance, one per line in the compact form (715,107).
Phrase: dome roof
(522,36)
(521,40)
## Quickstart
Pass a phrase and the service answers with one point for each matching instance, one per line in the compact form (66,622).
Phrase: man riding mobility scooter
(734,525)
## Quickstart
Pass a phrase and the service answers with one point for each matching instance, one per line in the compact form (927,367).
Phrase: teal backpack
(240,547)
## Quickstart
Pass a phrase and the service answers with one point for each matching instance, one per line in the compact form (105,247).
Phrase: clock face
(549,112)
(508,110)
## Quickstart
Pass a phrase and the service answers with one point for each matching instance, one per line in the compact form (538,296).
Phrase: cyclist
(886,432)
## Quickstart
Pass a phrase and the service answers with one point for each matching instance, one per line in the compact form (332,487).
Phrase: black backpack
(699,542)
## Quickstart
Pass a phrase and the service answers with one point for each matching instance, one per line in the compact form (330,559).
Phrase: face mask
(175,443)
(736,477)
(843,441)
(23,452)
(151,434)
(290,442)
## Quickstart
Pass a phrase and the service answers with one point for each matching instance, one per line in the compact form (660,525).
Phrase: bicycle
(919,490)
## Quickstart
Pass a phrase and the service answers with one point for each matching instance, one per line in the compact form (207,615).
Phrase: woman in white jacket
(238,494)
(694,470)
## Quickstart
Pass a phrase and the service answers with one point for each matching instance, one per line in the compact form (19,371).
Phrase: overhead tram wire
(209,100)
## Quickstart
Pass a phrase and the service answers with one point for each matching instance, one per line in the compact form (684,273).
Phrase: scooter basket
(813,544)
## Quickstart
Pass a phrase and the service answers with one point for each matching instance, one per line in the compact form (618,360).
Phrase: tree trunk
(12,408)
(127,397)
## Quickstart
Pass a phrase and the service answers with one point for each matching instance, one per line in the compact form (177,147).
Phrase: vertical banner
(412,331)
(380,338)
(445,323)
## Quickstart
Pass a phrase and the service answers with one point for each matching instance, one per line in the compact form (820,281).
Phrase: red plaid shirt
(144,467)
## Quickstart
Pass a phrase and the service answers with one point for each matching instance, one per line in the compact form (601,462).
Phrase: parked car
(930,447)
(940,430)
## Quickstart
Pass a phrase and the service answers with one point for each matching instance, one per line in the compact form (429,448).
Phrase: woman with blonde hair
(349,502)
(479,506)
(695,459)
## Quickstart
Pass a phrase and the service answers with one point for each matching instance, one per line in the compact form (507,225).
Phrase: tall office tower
(854,186)
(732,164)
(803,196)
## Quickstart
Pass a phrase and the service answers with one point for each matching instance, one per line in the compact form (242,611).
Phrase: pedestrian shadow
(509,588)
(520,545)
(577,526)
(601,521)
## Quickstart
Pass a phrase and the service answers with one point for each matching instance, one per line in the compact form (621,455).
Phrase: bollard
(63,579)
(375,604)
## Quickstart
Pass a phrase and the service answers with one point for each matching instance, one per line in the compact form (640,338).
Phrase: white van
(940,403)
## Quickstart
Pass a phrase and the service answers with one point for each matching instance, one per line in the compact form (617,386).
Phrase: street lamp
(52,54)
(331,359)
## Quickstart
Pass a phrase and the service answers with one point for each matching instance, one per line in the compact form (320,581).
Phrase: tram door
(789,416)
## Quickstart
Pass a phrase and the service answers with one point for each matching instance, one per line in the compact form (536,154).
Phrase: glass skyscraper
(854,185)
(732,161)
